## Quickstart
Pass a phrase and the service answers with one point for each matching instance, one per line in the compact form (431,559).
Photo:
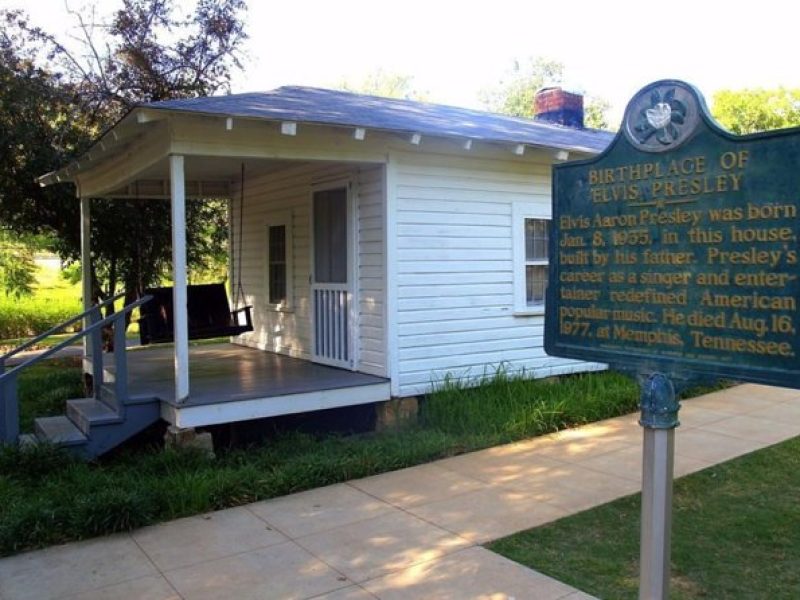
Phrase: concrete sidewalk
(68,352)
(410,534)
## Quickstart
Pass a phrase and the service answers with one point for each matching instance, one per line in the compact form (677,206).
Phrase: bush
(26,317)
(54,300)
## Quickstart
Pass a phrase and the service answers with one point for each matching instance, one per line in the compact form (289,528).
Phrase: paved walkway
(68,352)
(410,534)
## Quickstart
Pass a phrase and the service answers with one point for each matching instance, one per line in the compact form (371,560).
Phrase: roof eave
(101,148)
(453,136)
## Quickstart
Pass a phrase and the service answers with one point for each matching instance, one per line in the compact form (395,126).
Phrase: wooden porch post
(180,320)
(86,265)
(93,343)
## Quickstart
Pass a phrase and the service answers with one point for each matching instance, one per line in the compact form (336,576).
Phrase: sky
(453,49)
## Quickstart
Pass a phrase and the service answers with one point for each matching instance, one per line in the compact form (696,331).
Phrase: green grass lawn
(54,300)
(48,497)
(736,535)
(45,388)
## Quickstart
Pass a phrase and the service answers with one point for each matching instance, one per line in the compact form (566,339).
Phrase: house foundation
(395,413)
(189,437)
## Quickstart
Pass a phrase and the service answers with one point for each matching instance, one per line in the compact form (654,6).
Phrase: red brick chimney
(554,105)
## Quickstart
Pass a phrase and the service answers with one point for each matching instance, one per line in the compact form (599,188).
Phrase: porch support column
(180,320)
(86,265)
(92,343)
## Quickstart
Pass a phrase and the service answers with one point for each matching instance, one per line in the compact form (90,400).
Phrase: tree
(514,93)
(595,113)
(55,100)
(386,84)
(752,110)
(17,268)
(41,125)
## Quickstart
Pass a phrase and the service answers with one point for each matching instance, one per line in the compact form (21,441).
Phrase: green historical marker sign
(676,250)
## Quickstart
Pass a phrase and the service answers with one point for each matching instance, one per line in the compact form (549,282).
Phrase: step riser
(85,421)
(74,416)
(90,435)
(108,396)
(106,437)
(58,430)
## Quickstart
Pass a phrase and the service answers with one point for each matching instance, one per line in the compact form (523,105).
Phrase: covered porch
(306,256)
(297,262)
(233,383)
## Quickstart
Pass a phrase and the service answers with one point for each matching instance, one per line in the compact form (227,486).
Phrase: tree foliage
(752,110)
(41,125)
(514,93)
(55,99)
(17,266)
(387,85)
(595,113)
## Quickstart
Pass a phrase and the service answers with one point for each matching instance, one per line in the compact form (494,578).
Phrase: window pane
(535,284)
(277,284)
(277,244)
(536,239)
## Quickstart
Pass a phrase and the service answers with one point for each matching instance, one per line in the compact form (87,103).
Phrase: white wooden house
(394,239)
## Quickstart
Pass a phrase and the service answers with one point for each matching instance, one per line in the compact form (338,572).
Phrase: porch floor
(220,373)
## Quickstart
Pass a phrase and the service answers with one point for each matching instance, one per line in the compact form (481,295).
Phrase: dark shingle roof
(331,107)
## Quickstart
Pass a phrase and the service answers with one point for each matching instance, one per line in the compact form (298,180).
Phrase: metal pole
(659,418)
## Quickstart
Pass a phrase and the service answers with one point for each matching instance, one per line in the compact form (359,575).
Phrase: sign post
(659,419)
(674,254)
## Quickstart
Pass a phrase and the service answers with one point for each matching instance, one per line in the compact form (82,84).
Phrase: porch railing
(9,402)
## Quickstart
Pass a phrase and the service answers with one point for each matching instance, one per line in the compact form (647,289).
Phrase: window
(535,261)
(277,264)
(279,247)
(531,231)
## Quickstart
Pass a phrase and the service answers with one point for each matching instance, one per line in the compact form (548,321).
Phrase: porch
(231,383)
(307,254)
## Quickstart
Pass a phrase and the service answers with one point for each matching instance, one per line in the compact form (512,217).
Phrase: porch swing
(208,313)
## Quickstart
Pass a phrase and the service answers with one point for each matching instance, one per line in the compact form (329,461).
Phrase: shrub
(54,300)
(29,317)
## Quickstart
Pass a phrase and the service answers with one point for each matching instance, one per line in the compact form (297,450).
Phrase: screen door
(330,286)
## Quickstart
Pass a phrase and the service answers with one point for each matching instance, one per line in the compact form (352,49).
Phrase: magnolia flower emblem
(659,116)
(661,119)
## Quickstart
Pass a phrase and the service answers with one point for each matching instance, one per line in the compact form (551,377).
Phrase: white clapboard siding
(455,271)
(289,190)
(371,209)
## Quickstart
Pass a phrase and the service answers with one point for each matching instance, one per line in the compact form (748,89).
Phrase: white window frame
(280,219)
(522,211)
